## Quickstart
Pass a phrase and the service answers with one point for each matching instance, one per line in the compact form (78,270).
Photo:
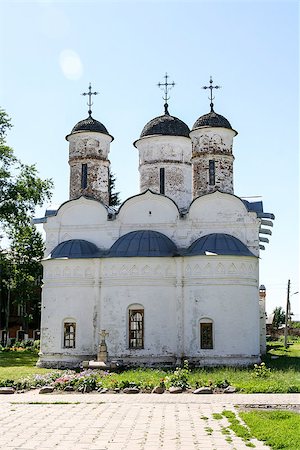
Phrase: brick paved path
(106,421)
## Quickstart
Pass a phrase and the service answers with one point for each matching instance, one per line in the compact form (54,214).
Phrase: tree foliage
(114,199)
(279,316)
(21,191)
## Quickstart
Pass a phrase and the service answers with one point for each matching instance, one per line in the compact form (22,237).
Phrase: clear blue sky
(51,50)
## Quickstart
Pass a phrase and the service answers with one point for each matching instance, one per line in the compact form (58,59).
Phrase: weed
(261,370)
(217,416)
(209,430)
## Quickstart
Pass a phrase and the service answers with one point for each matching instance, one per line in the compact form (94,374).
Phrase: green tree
(279,316)
(114,199)
(21,191)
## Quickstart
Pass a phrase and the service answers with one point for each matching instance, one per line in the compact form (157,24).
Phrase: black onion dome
(220,244)
(212,119)
(90,124)
(75,248)
(143,243)
(166,125)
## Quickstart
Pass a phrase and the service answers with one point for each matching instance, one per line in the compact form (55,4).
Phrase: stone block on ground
(46,390)
(203,390)
(7,390)
(131,390)
(175,390)
(158,390)
(230,390)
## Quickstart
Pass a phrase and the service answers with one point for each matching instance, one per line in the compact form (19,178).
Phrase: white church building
(171,274)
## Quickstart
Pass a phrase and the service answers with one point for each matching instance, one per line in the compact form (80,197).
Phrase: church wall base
(59,361)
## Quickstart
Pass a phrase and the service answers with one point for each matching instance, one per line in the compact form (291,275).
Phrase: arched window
(206,334)
(136,326)
(69,334)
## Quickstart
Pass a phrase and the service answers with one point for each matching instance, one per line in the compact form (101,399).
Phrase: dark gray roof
(143,243)
(212,119)
(166,125)
(90,124)
(258,208)
(75,248)
(219,243)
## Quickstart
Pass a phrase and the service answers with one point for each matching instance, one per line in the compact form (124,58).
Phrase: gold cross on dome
(166,87)
(90,103)
(211,87)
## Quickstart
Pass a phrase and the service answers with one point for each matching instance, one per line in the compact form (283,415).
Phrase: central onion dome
(165,125)
(212,119)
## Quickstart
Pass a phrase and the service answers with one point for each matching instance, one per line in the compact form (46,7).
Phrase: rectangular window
(136,328)
(162,180)
(69,334)
(83,176)
(211,172)
(206,335)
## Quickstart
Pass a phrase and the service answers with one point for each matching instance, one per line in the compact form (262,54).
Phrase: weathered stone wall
(212,144)
(172,153)
(92,149)
(223,174)
(175,293)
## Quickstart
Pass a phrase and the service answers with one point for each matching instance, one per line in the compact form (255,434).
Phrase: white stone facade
(176,293)
(172,274)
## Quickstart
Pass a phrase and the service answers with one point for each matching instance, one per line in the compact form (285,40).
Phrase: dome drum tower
(88,158)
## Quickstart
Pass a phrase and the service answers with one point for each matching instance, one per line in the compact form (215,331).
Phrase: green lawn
(278,429)
(16,365)
(283,377)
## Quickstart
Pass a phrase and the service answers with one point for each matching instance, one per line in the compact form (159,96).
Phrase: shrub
(261,370)
(179,378)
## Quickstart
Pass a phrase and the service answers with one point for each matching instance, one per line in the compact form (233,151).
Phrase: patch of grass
(284,376)
(217,416)
(16,365)
(236,426)
(278,429)
(225,430)
(209,430)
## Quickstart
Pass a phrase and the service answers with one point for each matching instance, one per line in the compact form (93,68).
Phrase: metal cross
(90,103)
(211,87)
(166,87)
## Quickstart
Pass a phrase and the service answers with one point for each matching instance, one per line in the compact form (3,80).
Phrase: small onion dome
(165,125)
(143,243)
(90,124)
(212,119)
(75,248)
(219,244)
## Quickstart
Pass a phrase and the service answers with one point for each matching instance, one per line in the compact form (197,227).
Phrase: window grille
(136,328)
(69,334)
(206,335)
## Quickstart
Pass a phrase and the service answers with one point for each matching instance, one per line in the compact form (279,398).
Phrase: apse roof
(220,244)
(165,125)
(143,243)
(75,248)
